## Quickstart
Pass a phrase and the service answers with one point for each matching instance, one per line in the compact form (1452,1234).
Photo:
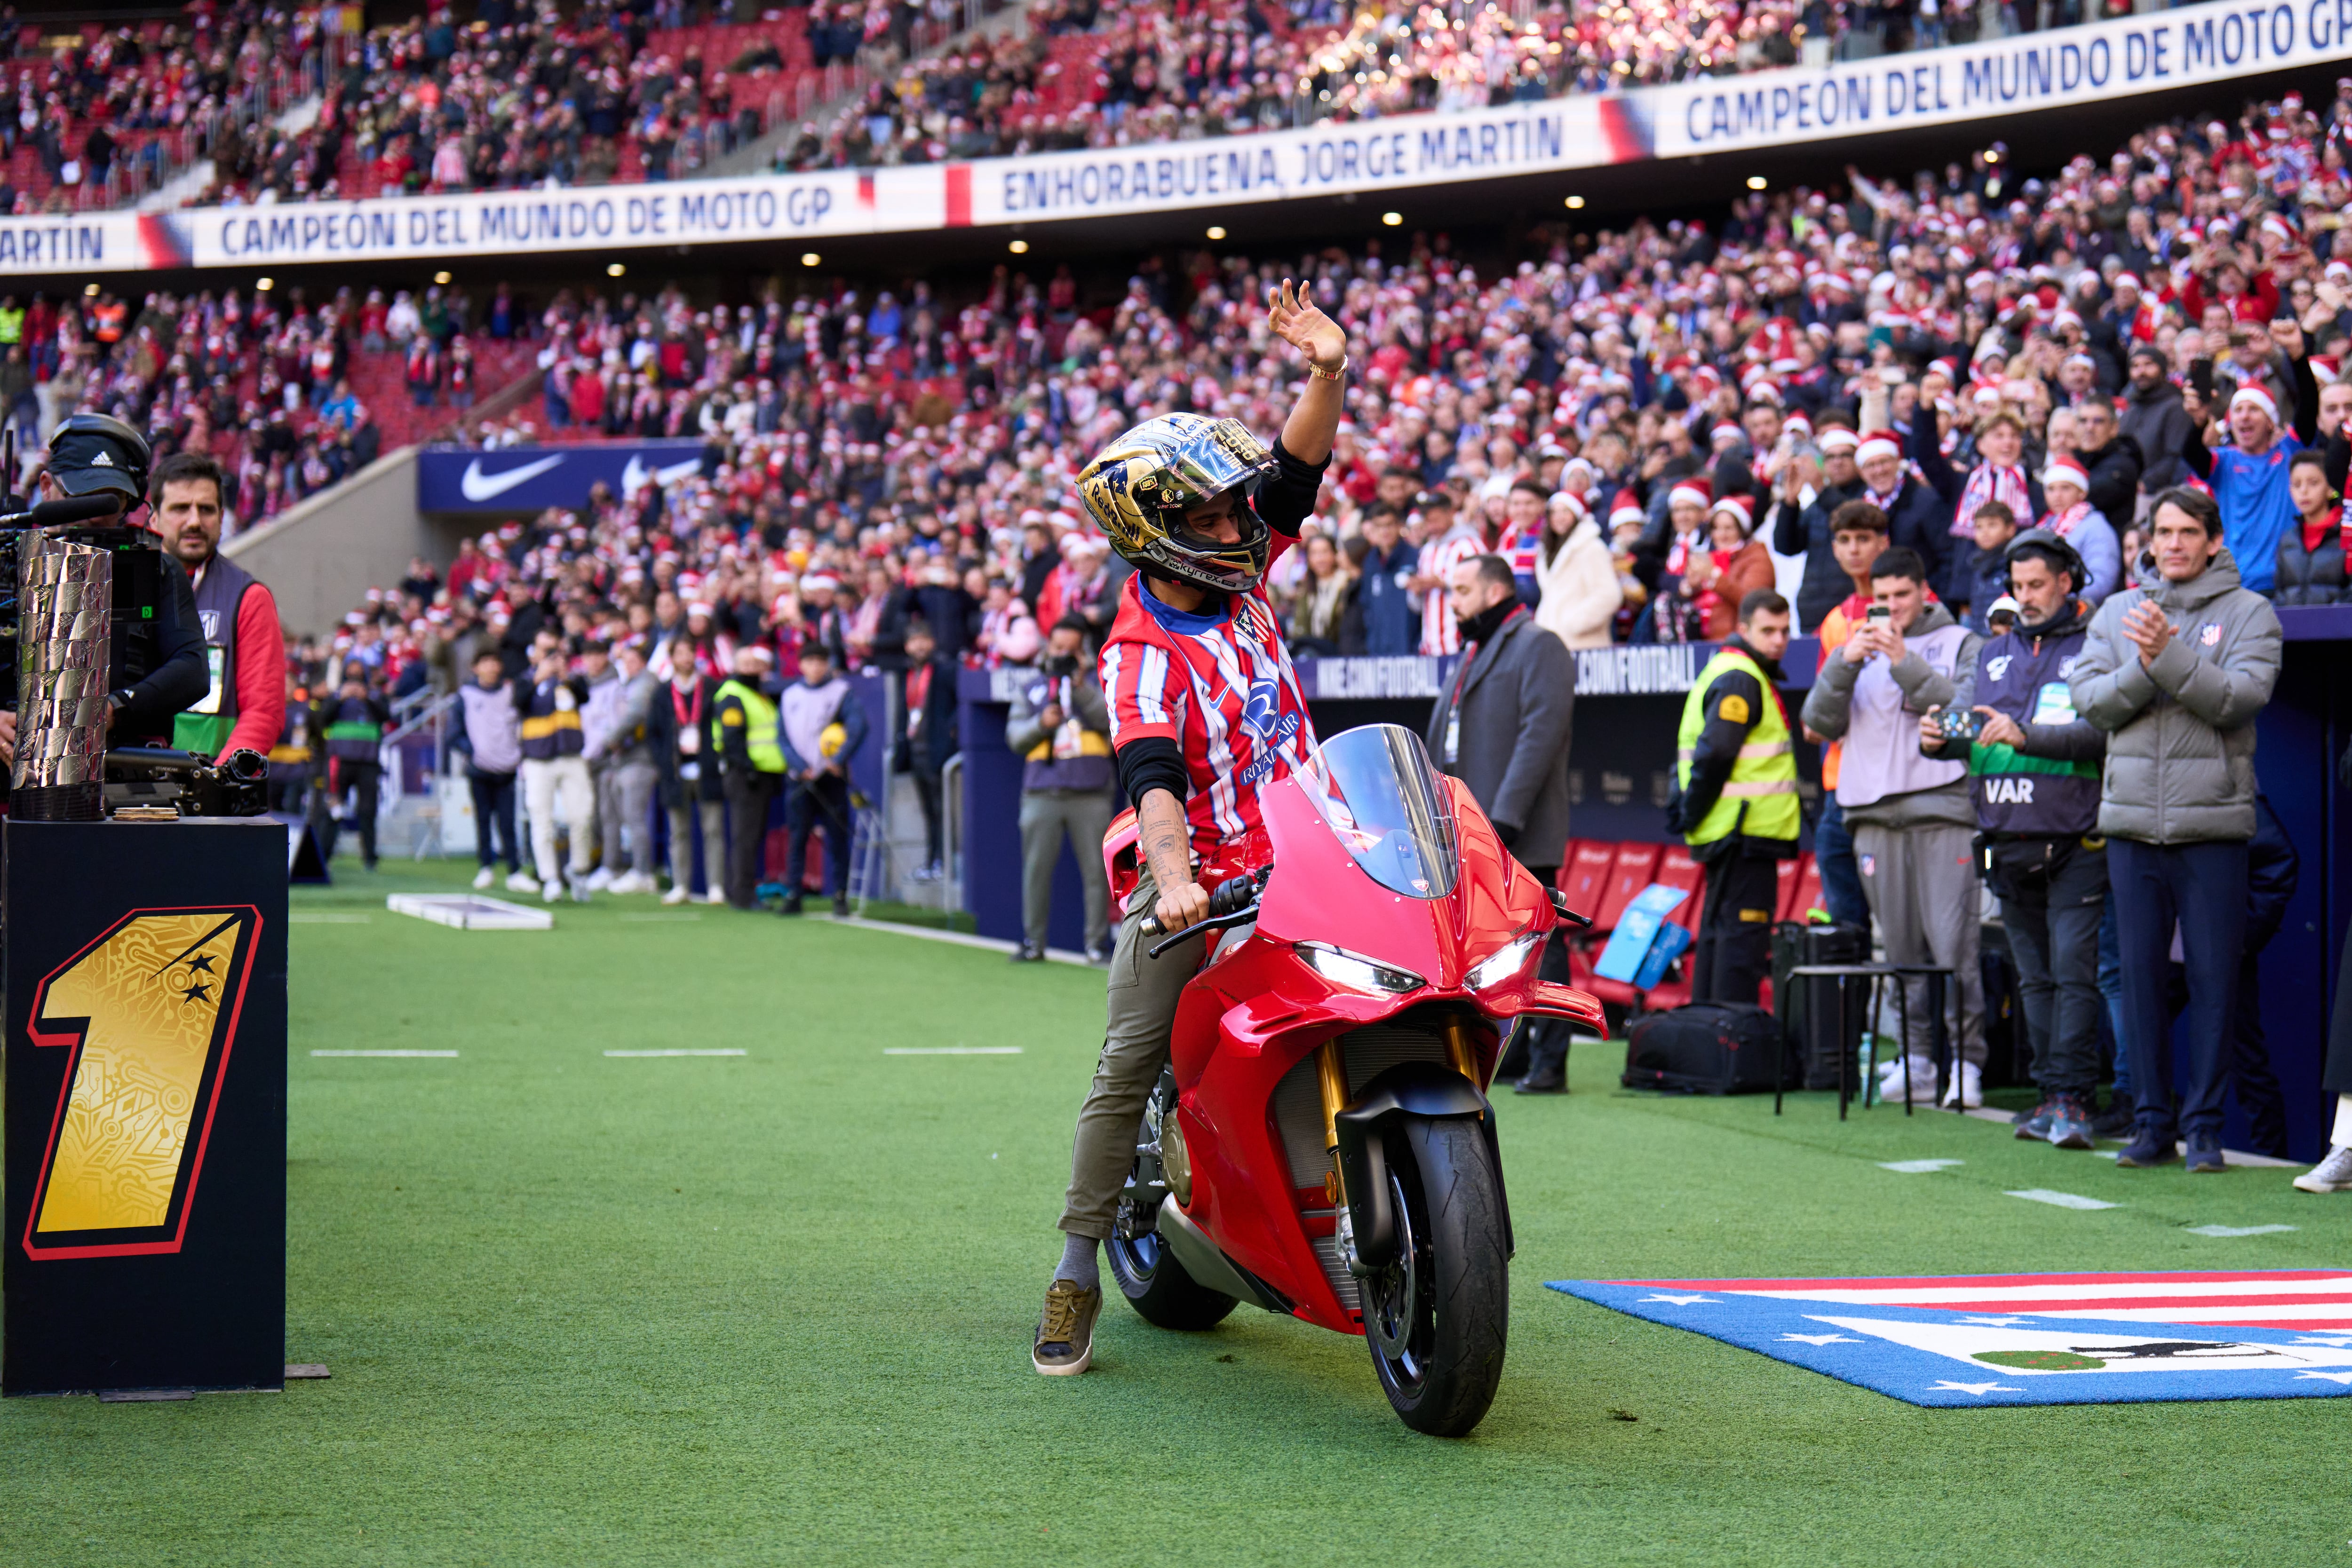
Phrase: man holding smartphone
(1910,814)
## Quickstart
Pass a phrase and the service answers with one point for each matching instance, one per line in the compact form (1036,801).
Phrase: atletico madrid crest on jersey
(2028,1339)
(1221,685)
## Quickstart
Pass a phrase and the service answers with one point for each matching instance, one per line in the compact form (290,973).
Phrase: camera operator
(245,647)
(158,662)
(2034,772)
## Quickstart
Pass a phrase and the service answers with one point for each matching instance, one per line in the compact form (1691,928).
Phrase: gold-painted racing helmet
(1139,488)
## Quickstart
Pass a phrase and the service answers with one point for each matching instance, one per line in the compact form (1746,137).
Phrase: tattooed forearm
(1160,831)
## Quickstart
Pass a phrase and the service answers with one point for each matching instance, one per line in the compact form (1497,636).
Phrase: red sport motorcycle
(1321,1144)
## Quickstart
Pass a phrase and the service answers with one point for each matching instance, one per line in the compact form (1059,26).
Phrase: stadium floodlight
(1018,247)
(1575,202)
(810,259)
(1756,182)
(1216,231)
(1393,220)
(91,290)
(615,269)
(264,284)
(441,279)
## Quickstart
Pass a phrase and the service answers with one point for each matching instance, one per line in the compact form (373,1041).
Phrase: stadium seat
(1584,876)
(1801,889)
(1635,868)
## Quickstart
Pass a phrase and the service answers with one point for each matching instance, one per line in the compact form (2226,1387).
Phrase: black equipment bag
(1706,1048)
(1809,1007)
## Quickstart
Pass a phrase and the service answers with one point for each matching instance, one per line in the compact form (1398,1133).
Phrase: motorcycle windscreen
(1375,790)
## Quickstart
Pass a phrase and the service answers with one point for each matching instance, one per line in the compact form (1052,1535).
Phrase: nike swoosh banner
(2027,1338)
(516,481)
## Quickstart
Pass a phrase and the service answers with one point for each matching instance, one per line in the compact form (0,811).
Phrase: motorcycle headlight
(1504,963)
(1356,972)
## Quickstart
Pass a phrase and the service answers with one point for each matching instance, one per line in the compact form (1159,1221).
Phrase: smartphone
(1879,612)
(2200,378)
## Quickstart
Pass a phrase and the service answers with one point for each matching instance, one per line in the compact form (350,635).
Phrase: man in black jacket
(2113,459)
(1502,728)
(2152,416)
(928,711)
(1804,527)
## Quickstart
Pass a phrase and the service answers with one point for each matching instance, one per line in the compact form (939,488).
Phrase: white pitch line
(2060,1200)
(723,1052)
(384,1053)
(950,1050)
(2227,1230)
(1918,1167)
(657,919)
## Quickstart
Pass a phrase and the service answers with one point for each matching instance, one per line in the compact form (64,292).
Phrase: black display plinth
(145,1240)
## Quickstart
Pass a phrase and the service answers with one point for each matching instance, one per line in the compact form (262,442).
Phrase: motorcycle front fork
(1331,1077)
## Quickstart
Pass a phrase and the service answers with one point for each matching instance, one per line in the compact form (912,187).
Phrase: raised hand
(1296,319)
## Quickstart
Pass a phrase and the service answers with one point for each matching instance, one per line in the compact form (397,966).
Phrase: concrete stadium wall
(323,555)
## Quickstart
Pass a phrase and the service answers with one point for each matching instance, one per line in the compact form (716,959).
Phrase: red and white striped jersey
(1439,631)
(1221,685)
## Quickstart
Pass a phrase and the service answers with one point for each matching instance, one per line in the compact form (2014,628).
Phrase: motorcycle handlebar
(1237,895)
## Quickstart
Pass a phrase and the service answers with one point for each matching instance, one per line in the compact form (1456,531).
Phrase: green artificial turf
(776,1308)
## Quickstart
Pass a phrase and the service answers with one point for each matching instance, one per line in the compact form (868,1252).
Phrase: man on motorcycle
(1205,712)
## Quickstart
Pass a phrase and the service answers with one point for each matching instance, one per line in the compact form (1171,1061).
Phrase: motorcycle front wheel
(1437,1316)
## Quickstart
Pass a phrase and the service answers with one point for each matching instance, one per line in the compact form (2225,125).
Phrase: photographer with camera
(2033,774)
(157,667)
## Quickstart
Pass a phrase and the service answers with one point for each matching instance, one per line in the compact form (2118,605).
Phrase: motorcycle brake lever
(1215,923)
(1559,902)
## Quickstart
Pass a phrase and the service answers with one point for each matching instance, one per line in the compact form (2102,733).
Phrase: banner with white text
(2200,44)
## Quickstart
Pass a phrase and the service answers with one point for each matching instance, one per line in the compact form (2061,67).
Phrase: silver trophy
(64,651)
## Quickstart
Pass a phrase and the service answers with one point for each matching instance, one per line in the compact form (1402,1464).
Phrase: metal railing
(951,832)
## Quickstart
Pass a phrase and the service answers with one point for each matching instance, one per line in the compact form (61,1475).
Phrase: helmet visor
(1223,457)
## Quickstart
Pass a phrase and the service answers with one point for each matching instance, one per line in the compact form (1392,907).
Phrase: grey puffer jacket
(2180,752)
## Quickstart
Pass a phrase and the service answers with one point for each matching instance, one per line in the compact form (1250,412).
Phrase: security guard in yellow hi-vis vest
(1736,800)
(751,768)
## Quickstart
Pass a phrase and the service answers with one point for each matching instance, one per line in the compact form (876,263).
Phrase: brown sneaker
(1066,1333)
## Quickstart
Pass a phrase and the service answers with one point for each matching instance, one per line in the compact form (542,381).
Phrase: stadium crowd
(1656,426)
(291,104)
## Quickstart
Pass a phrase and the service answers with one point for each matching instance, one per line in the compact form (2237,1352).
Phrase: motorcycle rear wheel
(1158,1288)
(1154,1283)
(1437,1317)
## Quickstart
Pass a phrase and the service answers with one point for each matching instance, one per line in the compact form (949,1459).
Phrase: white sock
(1078,1265)
(2343,1133)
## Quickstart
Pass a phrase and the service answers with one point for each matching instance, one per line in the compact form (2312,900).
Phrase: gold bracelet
(1315,370)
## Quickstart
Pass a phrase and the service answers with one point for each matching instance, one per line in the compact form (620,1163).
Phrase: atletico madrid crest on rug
(2027,1338)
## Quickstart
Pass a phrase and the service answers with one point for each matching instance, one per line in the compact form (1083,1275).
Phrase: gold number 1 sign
(149,1011)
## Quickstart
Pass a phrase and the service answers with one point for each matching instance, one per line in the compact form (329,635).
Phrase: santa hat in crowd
(2259,398)
(1836,439)
(1694,491)
(1625,509)
(1740,508)
(2066,469)
(1875,447)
